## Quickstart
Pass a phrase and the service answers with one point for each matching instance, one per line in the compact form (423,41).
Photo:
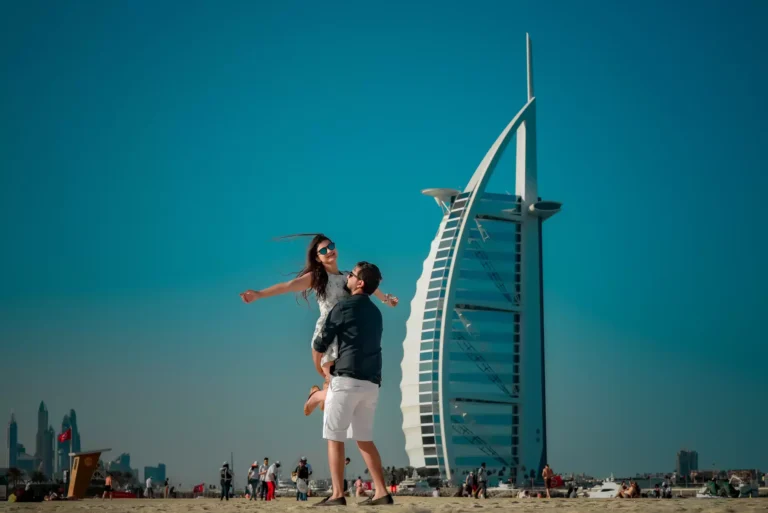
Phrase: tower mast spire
(529,51)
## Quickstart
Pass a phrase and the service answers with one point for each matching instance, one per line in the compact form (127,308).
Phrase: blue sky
(150,151)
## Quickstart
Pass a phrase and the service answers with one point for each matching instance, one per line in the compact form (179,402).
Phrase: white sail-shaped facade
(473,388)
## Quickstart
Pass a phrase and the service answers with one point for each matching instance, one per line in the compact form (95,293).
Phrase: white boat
(283,484)
(415,482)
(319,486)
(608,489)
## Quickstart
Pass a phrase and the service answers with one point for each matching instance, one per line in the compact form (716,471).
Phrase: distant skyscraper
(69,421)
(13,442)
(43,444)
(156,473)
(686,462)
(50,443)
(123,464)
(63,446)
(75,431)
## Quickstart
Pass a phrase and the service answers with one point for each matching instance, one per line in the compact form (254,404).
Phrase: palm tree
(14,476)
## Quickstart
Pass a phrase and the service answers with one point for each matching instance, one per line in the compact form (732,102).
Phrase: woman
(320,275)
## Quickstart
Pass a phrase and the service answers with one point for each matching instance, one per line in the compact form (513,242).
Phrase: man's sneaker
(341,501)
(382,501)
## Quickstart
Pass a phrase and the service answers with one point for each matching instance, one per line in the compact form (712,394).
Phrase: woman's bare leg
(318,398)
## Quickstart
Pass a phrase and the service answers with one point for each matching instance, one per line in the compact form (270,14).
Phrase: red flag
(66,435)
(198,488)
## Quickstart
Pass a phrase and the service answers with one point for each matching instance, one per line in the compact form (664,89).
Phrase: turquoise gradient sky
(149,151)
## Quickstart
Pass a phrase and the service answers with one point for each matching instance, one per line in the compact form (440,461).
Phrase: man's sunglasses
(325,250)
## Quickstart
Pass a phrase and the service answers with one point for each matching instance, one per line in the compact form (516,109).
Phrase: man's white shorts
(349,408)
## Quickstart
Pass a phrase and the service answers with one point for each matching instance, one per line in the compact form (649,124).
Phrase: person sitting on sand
(629,493)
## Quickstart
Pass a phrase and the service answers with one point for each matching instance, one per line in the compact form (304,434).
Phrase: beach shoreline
(410,504)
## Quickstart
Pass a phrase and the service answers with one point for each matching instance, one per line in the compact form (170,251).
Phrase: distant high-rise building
(69,421)
(156,473)
(50,443)
(12,442)
(686,462)
(123,464)
(44,454)
(75,431)
(473,370)
(63,446)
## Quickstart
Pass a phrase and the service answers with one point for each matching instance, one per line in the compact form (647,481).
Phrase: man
(150,491)
(272,480)
(482,481)
(302,479)
(253,480)
(225,480)
(107,487)
(263,488)
(354,390)
(547,474)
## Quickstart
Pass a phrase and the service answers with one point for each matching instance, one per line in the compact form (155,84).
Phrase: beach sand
(404,505)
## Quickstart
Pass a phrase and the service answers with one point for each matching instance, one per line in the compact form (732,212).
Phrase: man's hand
(249,296)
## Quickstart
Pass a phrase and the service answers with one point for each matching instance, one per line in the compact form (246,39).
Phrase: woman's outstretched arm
(303,282)
(386,298)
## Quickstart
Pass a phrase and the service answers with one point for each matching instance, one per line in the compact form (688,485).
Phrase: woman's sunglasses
(325,250)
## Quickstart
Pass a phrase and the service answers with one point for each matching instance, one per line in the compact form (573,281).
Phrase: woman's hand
(249,296)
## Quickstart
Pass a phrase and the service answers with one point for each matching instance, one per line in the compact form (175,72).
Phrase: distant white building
(473,387)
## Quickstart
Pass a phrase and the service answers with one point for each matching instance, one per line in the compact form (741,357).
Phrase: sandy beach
(407,504)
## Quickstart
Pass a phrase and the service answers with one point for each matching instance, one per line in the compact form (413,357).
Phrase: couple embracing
(346,351)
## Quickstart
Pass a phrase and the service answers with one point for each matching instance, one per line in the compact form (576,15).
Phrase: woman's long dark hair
(315,269)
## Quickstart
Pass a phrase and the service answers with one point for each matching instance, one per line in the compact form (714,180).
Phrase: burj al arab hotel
(473,388)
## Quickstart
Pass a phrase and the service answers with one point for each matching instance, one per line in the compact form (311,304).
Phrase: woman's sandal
(312,391)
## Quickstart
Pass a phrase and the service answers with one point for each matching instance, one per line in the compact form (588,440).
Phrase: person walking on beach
(263,488)
(253,480)
(482,481)
(322,276)
(302,480)
(356,323)
(225,480)
(272,480)
(547,474)
(166,489)
(150,491)
(107,487)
